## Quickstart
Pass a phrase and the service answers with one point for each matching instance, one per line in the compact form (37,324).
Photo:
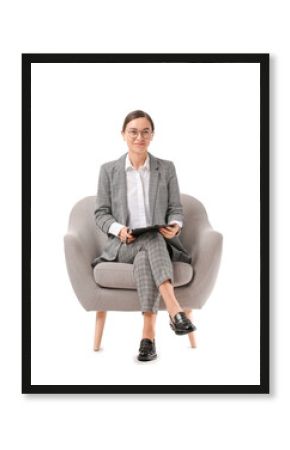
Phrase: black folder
(138,231)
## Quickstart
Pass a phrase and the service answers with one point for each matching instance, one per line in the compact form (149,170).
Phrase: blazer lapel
(154,176)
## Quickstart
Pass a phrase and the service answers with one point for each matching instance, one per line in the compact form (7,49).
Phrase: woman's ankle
(173,311)
(148,335)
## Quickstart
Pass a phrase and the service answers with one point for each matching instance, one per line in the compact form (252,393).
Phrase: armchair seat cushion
(120,275)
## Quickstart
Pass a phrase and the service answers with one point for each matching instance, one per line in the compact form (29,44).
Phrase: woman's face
(138,135)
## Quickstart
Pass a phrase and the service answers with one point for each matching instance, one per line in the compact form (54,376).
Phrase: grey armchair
(110,286)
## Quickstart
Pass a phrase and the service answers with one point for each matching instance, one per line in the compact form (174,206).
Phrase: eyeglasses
(134,133)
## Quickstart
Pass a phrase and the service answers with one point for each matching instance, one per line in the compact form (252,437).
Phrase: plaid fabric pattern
(151,267)
(111,203)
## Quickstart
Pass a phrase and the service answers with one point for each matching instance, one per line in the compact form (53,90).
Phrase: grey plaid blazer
(164,202)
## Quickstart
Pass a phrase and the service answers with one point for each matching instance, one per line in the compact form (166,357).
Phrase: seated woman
(135,191)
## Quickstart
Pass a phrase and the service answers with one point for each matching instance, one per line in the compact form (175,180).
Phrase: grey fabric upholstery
(110,285)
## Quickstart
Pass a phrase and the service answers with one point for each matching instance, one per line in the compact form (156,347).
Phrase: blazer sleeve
(174,210)
(103,216)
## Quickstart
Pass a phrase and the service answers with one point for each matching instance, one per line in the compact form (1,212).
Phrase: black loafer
(181,324)
(147,350)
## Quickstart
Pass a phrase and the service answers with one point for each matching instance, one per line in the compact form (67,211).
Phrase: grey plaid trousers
(151,267)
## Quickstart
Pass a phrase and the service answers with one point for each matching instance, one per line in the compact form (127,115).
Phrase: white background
(225,421)
(207,121)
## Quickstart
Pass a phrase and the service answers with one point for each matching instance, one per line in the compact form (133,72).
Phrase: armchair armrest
(207,263)
(78,263)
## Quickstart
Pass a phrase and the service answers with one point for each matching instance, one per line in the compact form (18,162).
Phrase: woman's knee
(141,262)
(140,257)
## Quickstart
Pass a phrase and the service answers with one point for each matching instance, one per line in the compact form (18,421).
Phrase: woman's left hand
(169,232)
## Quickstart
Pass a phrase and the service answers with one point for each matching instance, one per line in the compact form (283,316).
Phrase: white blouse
(137,197)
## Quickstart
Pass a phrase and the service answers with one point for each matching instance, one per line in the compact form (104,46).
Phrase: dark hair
(135,115)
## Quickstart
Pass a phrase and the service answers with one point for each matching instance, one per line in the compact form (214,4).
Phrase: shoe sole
(144,358)
(181,332)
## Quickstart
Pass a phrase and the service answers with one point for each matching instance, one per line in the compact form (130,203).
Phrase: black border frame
(260,58)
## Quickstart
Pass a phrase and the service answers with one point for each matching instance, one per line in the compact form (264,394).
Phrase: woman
(136,191)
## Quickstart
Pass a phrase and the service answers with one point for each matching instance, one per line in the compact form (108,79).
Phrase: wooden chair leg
(191,336)
(100,322)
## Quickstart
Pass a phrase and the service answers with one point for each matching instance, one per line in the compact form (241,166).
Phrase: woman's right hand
(125,236)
